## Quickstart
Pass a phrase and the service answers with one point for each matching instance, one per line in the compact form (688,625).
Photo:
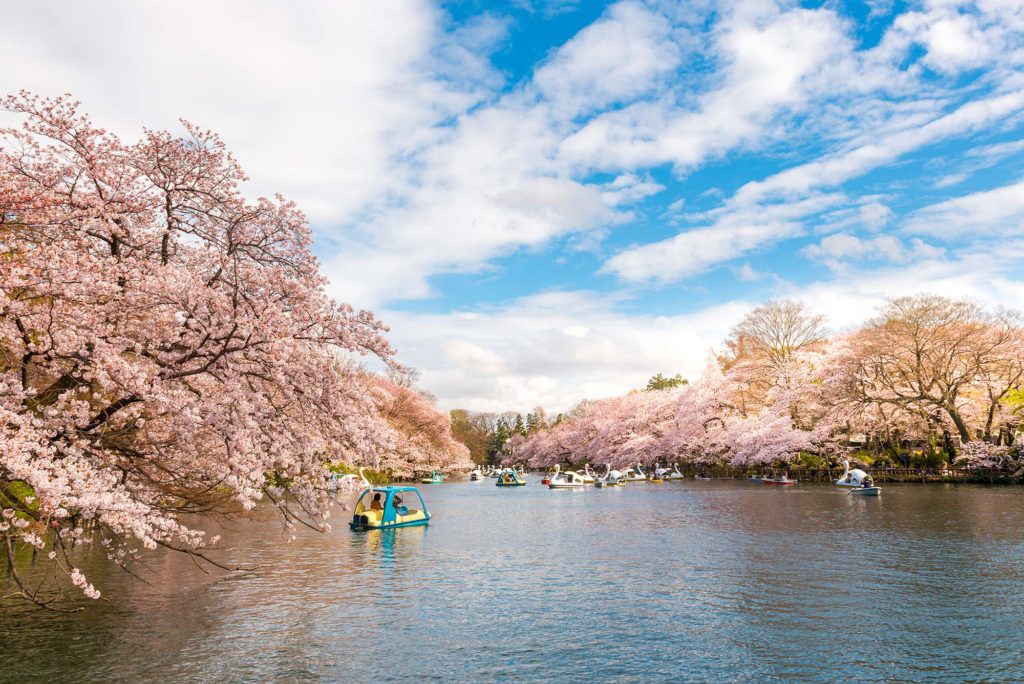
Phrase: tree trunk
(961,427)
(989,419)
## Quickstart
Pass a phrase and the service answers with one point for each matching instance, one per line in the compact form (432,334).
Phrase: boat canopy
(392,513)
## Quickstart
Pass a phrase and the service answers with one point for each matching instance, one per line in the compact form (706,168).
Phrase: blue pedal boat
(435,477)
(391,509)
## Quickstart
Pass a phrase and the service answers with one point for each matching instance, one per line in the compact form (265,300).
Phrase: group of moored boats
(505,477)
(571,479)
(858,481)
(556,478)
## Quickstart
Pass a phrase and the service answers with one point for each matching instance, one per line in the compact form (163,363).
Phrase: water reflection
(698,581)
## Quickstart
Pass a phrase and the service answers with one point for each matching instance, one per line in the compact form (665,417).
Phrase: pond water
(694,581)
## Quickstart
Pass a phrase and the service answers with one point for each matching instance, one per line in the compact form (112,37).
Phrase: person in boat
(867,483)
(402,510)
(376,505)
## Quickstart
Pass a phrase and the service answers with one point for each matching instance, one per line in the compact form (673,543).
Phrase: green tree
(520,427)
(660,382)
(536,420)
(502,432)
(475,430)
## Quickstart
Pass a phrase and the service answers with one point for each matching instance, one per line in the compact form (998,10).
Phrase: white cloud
(997,151)
(492,182)
(745,221)
(766,58)
(992,212)
(956,43)
(838,251)
(553,349)
(835,169)
(316,103)
(959,36)
(875,215)
(628,188)
(695,251)
(990,275)
(624,54)
(734,233)
(747,273)
(843,245)
(556,348)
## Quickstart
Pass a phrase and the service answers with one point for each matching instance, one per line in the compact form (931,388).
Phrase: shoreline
(881,475)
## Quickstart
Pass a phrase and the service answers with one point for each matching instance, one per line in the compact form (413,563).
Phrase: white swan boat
(611,478)
(587,475)
(635,474)
(851,478)
(567,480)
(674,474)
(351,481)
(476,475)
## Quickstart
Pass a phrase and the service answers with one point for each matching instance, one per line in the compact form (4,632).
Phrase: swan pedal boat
(389,516)
(867,491)
(778,481)
(567,480)
(635,474)
(851,478)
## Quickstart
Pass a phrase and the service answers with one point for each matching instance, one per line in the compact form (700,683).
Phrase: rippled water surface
(695,581)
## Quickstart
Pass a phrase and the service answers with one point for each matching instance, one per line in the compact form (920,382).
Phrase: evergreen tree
(660,382)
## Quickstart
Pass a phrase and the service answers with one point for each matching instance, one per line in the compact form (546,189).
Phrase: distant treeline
(486,434)
(927,381)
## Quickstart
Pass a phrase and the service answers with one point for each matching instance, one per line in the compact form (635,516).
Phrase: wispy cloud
(992,212)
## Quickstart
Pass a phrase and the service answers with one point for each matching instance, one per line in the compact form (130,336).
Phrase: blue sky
(555,200)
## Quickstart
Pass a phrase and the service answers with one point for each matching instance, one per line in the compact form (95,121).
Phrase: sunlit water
(695,581)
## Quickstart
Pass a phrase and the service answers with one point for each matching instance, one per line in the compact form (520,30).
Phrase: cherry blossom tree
(419,435)
(924,367)
(167,345)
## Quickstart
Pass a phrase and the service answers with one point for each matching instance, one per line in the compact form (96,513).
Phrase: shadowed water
(695,581)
